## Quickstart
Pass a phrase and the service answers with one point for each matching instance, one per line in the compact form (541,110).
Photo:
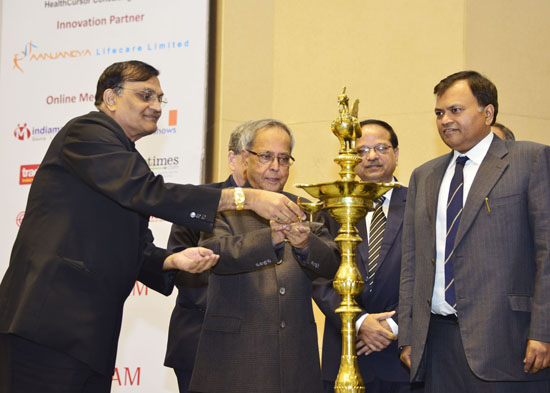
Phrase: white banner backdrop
(52,53)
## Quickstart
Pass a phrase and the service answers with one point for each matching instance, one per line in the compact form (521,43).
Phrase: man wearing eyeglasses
(259,333)
(85,240)
(379,261)
(188,314)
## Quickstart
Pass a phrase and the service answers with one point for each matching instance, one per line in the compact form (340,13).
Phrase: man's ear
(244,157)
(489,112)
(231,159)
(109,98)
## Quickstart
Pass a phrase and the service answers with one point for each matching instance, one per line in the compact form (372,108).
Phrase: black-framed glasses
(284,160)
(379,149)
(146,95)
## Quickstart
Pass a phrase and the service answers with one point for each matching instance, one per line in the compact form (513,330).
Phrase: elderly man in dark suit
(85,240)
(259,333)
(188,315)
(475,281)
(379,261)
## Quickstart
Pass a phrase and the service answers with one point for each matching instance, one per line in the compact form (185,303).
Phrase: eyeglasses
(379,149)
(284,160)
(146,95)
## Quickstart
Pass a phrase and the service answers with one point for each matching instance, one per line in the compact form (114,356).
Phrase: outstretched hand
(274,206)
(192,260)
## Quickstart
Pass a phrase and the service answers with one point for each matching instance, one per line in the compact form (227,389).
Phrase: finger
(528,361)
(287,215)
(364,350)
(406,360)
(375,347)
(537,364)
(384,315)
(296,210)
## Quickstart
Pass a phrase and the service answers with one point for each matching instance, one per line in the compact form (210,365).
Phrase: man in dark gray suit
(188,315)
(377,327)
(259,333)
(475,280)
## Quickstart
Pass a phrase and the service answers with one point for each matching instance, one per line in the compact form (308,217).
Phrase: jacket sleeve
(539,218)
(408,266)
(94,151)
(240,250)
(151,273)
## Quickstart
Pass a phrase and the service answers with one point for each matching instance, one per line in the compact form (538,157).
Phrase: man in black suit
(379,261)
(85,239)
(188,315)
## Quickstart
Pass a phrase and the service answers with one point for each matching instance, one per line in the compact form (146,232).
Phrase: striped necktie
(454,212)
(376,233)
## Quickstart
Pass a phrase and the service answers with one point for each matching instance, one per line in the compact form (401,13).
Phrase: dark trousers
(447,370)
(27,367)
(184,379)
(380,386)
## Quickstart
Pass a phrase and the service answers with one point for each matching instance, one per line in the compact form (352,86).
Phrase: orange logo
(30,53)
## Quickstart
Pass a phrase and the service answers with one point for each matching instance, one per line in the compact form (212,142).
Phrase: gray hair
(251,128)
(235,139)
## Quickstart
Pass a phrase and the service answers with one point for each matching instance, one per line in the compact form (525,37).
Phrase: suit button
(433,261)
(192,214)
(283,324)
(430,302)
(282,290)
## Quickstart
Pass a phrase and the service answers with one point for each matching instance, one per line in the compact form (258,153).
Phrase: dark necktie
(376,233)
(454,212)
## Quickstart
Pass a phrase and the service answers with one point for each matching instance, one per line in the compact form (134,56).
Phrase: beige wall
(289,60)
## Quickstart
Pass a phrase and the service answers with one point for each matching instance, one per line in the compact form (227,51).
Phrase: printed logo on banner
(126,376)
(172,123)
(22,132)
(31,53)
(140,289)
(25,132)
(19,218)
(165,166)
(27,172)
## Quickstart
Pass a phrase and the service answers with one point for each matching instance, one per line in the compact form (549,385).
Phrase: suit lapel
(393,223)
(433,183)
(490,170)
(362,256)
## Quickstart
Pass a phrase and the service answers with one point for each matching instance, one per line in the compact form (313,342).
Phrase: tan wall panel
(386,53)
(245,70)
(508,41)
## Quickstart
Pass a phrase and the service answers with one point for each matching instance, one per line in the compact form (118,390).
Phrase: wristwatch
(238,197)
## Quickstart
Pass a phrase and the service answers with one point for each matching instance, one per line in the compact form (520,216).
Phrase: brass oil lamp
(348,201)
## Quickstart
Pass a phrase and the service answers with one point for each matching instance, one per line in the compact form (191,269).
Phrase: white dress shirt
(475,156)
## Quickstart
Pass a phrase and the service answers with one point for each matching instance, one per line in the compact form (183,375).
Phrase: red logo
(123,376)
(27,172)
(22,132)
(19,218)
(140,289)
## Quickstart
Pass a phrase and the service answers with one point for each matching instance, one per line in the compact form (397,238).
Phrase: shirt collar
(477,153)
